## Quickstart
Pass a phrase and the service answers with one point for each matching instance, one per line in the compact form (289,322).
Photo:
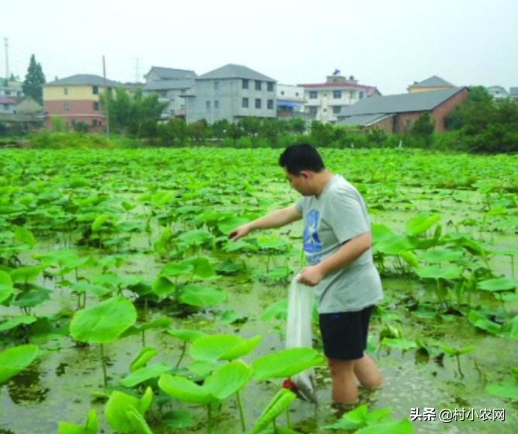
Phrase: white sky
(388,44)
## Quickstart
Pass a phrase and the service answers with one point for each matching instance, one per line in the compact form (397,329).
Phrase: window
(66,106)
(258,103)
(163,94)
(6,107)
(337,94)
(257,85)
(65,90)
(296,94)
(337,109)
(207,105)
(361,95)
(95,123)
(96,106)
(95,90)
(244,103)
(313,110)
(282,92)
(313,94)
(216,85)
(8,93)
(270,86)
(216,104)
(245,84)
(270,104)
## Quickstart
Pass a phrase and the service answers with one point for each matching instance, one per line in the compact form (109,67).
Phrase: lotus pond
(124,309)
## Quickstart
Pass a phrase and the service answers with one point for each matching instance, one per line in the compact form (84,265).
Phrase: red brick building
(397,113)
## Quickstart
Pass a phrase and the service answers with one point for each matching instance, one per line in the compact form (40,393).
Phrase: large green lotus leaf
(482,322)
(195,237)
(286,363)
(401,344)
(143,357)
(421,223)
(277,310)
(215,347)
(98,290)
(31,298)
(16,359)
(25,236)
(25,274)
(228,379)
(186,334)
(118,405)
(201,296)
(395,244)
(359,417)
(436,272)
(511,327)
(91,427)
(173,270)
(242,348)
(6,286)
(99,222)
(500,284)
(234,246)
(179,419)
(146,373)
(138,421)
(201,267)
(504,390)
(15,322)
(395,427)
(278,405)
(104,322)
(228,225)
(271,243)
(162,286)
(442,255)
(184,390)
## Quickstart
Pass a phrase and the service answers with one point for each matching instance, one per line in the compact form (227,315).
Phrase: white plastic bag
(298,332)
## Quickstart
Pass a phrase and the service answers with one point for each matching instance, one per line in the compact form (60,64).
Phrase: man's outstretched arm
(276,219)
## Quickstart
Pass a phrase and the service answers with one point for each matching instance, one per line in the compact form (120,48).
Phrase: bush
(62,140)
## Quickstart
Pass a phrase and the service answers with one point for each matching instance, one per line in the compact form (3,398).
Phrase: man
(337,243)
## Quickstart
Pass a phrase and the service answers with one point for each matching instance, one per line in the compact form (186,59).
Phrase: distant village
(234,91)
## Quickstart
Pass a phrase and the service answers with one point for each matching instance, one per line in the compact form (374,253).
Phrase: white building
(498,92)
(290,100)
(326,101)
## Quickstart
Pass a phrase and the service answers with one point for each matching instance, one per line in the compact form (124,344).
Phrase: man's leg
(344,382)
(368,373)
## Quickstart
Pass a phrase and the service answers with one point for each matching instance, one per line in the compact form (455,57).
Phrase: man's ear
(305,174)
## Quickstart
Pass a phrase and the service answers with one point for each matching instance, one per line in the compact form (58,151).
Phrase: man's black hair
(299,157)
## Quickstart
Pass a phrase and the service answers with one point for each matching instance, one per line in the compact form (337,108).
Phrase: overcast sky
(388,44)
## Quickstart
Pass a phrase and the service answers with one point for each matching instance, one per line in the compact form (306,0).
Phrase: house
(28,106)
(11,88)
(430,84)
(513,93)
(76,99)
(231,92)
(397,113)
(326,101)
(7,105)
(497,92)
(290,100)
(170,85)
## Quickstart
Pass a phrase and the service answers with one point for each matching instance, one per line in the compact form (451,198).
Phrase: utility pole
(6,41)
(107,99)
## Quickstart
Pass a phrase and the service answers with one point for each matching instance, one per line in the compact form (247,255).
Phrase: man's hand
(311,276)
(239,232)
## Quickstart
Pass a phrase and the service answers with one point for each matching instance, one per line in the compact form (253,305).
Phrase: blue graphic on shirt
(312,243)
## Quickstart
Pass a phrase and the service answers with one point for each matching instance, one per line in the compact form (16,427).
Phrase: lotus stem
(103,362)
(209,419)
(143,338)
(457,356)
(288,417)
(275,426)
(241,412)
(184,347)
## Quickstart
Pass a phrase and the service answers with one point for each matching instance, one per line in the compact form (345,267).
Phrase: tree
(424,128)
(34,81)
(136,114)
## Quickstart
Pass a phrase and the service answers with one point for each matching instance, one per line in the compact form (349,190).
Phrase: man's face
(301,182)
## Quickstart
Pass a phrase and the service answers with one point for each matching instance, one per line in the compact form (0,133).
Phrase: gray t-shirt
(335,217)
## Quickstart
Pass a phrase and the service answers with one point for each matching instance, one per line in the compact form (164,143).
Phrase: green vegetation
(34,81)
(126,308)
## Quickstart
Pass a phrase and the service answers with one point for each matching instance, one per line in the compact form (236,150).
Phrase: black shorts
(345,334)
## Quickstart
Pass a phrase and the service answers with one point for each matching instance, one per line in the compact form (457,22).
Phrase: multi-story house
(326,101)
(497,92)
(76,99)
(513,93)
(170,85)
(231,92)
(290,100)
(11,88)
(430,84)
(7,105)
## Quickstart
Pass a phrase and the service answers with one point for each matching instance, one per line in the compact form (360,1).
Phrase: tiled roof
(169,85)
(84,79)
(362,120)
(433,81)
(403,103)
(6,100)
(172,73)
(234,71)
